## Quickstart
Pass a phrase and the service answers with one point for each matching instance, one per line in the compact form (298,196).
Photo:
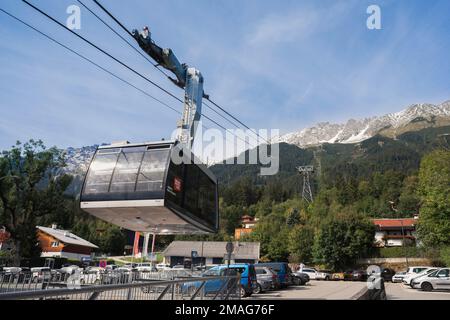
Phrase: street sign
(86,259)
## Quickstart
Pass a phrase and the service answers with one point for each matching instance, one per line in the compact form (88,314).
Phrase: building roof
(212,249)
(395,223)
(67,237)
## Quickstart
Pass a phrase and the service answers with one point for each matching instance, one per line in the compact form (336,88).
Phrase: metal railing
(119,286)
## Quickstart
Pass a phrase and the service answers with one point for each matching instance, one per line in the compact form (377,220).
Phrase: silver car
(398,277)
(437,280)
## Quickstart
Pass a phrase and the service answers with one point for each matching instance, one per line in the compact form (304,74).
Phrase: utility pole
(306,172)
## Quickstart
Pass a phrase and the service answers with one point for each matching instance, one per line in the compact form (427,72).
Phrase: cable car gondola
(141,188)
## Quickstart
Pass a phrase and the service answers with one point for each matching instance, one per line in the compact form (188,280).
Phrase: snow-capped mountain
(415,117)
(78,159)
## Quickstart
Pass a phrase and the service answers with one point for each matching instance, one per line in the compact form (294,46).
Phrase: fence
(118,286)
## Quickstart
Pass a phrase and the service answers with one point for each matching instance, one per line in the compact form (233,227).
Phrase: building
(395,232)
(248,223)
(63,244)
(209,252)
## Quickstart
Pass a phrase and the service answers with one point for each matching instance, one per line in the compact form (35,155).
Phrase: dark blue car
(246,271)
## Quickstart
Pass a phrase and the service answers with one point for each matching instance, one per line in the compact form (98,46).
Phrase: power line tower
(306,172)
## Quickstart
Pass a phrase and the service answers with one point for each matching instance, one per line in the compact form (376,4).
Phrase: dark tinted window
(241,270)
(207,198)
(260,271)
(277,267)
(443,273)
(200,194)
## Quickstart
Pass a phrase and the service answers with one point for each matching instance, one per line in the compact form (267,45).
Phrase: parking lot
(327,290)
(397,291)
(347,290)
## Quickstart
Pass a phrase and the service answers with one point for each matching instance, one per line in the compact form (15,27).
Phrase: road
(397,291)
(322,290)
(338,290)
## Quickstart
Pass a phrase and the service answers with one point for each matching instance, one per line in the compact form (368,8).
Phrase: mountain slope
(415,117)
(376,154)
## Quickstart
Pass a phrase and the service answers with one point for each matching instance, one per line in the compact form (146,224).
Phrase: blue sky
(274,64)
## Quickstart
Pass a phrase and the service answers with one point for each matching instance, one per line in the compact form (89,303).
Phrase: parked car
(387,274)
(323,275)
(282,269)
(262,285)
(12,270)
(267,274)
(129,267)
(411,277)
(359,275)
(343,276)
(70,269)
(9,274)
(300,278)
(248,279)
(146,267)
(317,275)
(436,280)
(414,272)
(40,274)
(91,275)
(311,272)
(179,267)
(24,276)
(398,277)
(163,266)
(111,267)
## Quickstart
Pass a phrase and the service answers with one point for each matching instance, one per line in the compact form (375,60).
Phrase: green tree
(293,217)
(342,240)
(434,190)
(29,176)
(409,200)
(300,243)
(112,241)
(230,217)
(272,232)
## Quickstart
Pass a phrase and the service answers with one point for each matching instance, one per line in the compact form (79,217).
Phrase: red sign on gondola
(177,184)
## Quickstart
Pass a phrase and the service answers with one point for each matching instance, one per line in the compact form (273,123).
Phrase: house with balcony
(248,223)
(395,232)
(57,243)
